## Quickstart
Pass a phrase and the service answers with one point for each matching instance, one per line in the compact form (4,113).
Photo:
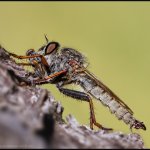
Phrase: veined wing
(112,94)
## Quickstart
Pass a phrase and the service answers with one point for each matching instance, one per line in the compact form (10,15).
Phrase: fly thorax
(50,58)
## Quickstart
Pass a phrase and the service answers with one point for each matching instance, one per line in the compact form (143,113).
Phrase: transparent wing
(107,89)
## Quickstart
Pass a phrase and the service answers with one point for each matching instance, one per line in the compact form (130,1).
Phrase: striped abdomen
(100,92)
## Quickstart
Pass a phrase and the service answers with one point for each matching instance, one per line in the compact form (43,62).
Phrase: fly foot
(107,129)
(101,127)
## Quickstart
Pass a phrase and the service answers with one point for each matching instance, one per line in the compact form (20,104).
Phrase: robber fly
(67,66)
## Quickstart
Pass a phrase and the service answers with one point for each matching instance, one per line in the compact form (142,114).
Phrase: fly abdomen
(95,90)
(102,93)
(121,112)
(98,92)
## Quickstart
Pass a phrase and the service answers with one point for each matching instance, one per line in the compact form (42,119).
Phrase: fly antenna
(46,38)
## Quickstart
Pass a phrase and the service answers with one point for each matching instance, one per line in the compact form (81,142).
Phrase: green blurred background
(114,36)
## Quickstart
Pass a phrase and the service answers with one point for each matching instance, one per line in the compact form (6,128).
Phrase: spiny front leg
(83,97)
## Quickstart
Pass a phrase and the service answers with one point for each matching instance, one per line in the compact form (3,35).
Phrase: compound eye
(51,47)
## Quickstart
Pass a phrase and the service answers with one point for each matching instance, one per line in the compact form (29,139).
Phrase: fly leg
(93,119)
(33,81)
(83,97)
(51,78)
(25,64)
(43,60)
(35,64)
(48,79)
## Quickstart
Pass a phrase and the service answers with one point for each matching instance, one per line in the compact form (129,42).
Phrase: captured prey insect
(66,66)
